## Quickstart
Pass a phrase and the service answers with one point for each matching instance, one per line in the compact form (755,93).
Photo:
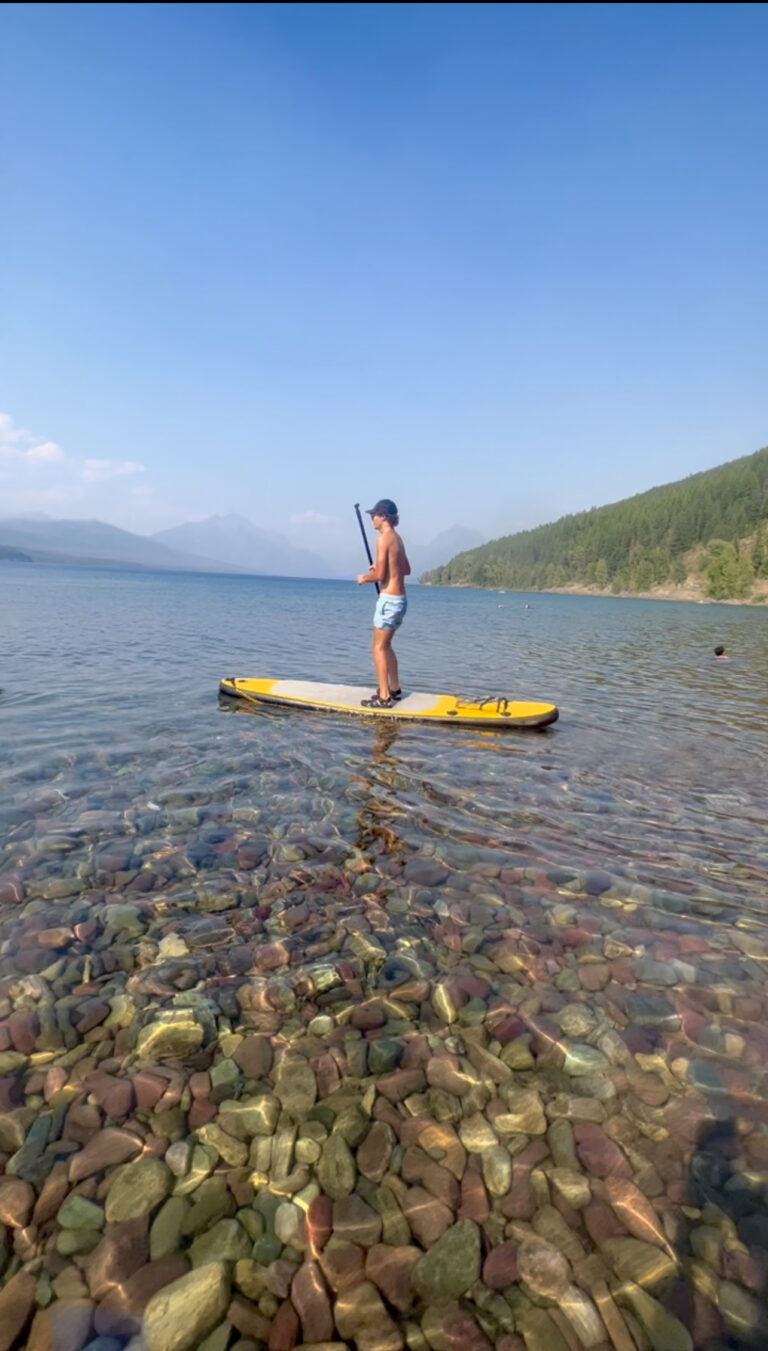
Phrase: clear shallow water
(656,769)
(617,861)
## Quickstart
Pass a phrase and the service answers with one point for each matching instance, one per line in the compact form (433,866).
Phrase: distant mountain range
(54,541)
(243,546)
(218,544)
(442,548)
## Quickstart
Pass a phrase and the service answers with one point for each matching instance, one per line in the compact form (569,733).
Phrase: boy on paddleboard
(390,571)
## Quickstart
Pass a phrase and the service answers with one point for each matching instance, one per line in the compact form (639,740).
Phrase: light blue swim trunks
(389,612)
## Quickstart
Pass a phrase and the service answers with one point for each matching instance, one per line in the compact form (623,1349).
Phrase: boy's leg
(393,677)
(382,644)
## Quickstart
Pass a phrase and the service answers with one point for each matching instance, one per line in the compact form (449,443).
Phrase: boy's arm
(377,570)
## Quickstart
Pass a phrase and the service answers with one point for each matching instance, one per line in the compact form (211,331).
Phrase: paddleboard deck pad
(494,711)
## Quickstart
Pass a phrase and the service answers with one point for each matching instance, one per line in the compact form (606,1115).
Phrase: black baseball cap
(384,507)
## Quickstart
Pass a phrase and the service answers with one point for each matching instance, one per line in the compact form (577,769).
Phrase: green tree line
(639,543)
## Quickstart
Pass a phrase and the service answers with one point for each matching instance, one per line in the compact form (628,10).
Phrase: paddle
(365,540)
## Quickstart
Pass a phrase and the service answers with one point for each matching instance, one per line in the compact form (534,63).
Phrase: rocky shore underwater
(275,1076)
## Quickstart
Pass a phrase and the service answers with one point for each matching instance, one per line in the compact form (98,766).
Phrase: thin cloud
(20,446)
(21,450)
(46,453)
(99,471)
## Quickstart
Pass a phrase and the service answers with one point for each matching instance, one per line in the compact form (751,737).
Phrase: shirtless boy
(390,570)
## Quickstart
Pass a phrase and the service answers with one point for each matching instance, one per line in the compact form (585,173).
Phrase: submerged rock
(180,1315)
(451,1266)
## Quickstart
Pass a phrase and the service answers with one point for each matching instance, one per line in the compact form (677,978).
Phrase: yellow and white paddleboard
(495,711)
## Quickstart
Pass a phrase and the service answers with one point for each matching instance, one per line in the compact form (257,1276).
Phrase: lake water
(446,929)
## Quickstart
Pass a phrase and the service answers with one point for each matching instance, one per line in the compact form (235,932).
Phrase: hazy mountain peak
(236,541)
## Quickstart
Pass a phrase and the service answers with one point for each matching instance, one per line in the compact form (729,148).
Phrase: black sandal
(396,695)
(376,701)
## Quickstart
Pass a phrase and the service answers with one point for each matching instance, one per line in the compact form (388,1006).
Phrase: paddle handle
(365,541)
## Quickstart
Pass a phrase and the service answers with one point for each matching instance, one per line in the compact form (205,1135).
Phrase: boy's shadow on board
(722,1293)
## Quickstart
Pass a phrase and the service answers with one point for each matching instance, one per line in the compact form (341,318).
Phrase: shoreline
(694,595)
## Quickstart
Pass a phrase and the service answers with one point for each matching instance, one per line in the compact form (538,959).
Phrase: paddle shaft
(365,541)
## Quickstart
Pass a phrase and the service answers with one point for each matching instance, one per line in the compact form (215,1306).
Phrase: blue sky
(498,263)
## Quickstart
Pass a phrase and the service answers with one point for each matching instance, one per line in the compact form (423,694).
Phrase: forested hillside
(712,526)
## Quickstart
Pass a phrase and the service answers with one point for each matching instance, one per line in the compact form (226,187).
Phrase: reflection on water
(374,1034)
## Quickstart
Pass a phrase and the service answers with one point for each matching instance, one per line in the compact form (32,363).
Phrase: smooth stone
(384,1055)
(355,1221)
(288,1223)
(581,1058)
(656,973)
(79,1213)
(17,1301)
(517,1053)
(170,1040)
(524,1115)
(594,976)
(138,1187)
(225,1074)
(582,1315)
(309,1151)
(77,1241)
(17,1199)
(573,1108)
(395,1229)
(612,1318)
(576,1020)
(337,1170)
(427,1218)
(543,1268)
(187,1310)
(477,1134)
(540,1332)
(249,1117)
(203,1162)
(266,1249)
(598,1154)
(743,1314)
(561,1144)
(165,1234)
(375,1152)
(634,1260)
(390,1270)
(232,1151)
(497,1170)
(572,1186)
(310,1299)
(451,1266)
(425,872)
(665,1332)
(500,1268)
(64,1326)
(109,1146)
(226,1241)
(341,1264)
(119,1313)
(296,1087)
(636,1213)
(648,1010)
(254,1057)
(549,1224)
(360,1313)
(178,1157)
